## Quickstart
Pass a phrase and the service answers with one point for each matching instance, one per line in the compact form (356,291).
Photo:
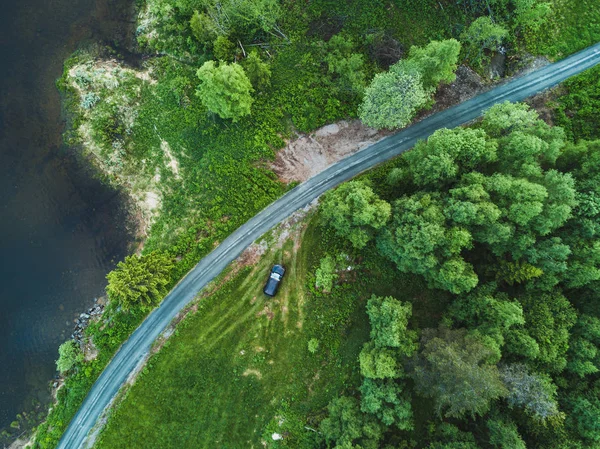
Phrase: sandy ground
(309,154)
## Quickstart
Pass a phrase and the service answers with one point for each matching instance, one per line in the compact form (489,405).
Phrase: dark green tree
(386,400)
(453,368)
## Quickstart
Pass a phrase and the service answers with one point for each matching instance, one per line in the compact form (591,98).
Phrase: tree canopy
(140,281)
(225,89)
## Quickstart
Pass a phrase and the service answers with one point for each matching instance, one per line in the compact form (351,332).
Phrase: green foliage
(140,282)
(223,49)
(347,65)
(517,272)
(504,434)
(326,274)
(419,241)
(355,212)
(577,107)
(379,363)
(586,416)
(549,318)
(393,98)
(452,368)
(488,312)
(313,345)
(583,355)
(436,62)
(225,90)
(258,72)
(389,321)
(385,400)
(346,425)
(483,34)
(69,355)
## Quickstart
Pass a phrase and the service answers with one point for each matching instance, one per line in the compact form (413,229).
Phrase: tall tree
(453,368)
(534,392)
(355,212)
(437,62)
(140,281)
(225,90)
(393,98)
(385,400)
(389,322)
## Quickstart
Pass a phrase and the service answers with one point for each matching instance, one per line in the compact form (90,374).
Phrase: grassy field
(241,362)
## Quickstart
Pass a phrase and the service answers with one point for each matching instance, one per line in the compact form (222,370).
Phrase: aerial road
(137,346)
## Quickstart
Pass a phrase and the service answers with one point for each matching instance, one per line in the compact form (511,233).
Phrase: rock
(84,315)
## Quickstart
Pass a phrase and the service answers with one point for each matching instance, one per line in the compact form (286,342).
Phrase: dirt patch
(466,85)
(253,372)
(266,312)
(307,155)
(542,103)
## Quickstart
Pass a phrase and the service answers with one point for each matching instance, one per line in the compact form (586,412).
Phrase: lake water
(61,231)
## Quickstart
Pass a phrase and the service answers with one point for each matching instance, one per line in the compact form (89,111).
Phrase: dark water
(61,231)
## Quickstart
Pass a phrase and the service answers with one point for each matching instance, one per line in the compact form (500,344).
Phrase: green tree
(549,318)
(69,355)
(355,212)
(436,62)
(586,417)
(347,65)
(140,281)
(419,240)
(583,355)
(489,312)
(452,368)
(393,98)
(346,425)
(389,321)
(504,434)
(258,72)
(483,34)
(225,90)
(385,400)
(379,363)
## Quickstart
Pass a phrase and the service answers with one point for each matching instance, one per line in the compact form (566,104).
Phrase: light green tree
(140,281)
(69,354)
(355,212)
(436,62)
(393,98)
(389,322)
(225,90)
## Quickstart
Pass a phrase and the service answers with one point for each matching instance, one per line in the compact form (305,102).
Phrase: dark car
(275,277)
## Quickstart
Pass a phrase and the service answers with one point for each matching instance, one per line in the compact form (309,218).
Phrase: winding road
(137,346)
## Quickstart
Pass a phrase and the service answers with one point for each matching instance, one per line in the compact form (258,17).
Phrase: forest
(472,311)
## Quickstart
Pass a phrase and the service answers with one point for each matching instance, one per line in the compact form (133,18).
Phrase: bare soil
(309,154)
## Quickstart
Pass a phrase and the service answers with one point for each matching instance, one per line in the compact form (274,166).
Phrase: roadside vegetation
(448,301)
(190,130)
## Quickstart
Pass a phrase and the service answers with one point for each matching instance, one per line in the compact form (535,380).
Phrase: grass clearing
(242,360)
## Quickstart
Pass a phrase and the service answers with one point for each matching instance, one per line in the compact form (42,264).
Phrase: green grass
(243,358)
